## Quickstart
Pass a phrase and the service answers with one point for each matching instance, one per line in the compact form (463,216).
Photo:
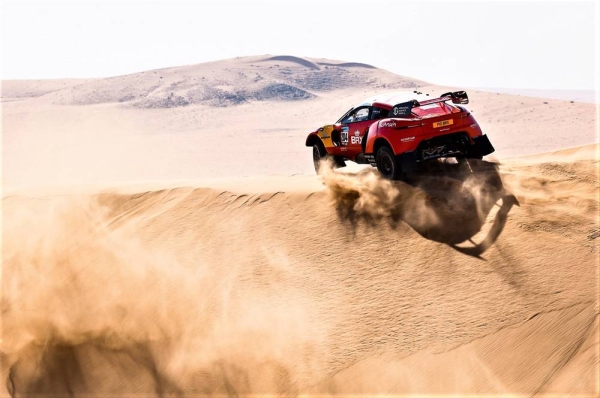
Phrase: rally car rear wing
(405,108)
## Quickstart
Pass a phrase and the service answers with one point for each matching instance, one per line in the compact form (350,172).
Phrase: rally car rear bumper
(457,146)
(481,147)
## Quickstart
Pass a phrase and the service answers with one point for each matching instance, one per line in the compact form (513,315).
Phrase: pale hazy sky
(535,44)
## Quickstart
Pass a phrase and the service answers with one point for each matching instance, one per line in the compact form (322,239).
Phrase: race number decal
(345,135)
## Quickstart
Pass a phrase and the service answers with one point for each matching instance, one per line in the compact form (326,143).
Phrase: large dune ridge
(169,238)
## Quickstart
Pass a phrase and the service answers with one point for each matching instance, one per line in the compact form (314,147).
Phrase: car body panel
(324,134)
(406,134)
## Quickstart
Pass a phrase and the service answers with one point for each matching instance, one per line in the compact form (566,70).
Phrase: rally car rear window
(379,113)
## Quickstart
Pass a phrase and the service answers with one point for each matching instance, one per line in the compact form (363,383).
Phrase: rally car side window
(345,115)
(357,115)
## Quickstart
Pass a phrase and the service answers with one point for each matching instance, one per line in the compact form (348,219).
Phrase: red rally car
(395,132)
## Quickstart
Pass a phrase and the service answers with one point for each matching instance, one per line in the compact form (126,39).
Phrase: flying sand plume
(87,309)
(447,202)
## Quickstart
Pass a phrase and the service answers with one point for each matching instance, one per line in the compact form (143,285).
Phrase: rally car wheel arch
(363,142)
(386,163)
(336,138)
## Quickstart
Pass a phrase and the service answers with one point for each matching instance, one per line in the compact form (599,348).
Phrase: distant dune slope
(236,117)
(460,282)
(296,60)
(222,83)
(22,89)
(565,95)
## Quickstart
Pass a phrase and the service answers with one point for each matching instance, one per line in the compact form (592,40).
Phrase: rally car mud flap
(481,147)
(409,161)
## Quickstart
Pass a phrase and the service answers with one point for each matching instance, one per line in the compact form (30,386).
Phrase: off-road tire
(387,165)
(320,155)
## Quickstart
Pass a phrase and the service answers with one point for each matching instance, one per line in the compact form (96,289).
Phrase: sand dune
(566,95)
(456,282)
(148,249)
(13,90)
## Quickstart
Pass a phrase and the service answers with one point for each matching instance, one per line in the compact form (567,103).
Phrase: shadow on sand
(451,203)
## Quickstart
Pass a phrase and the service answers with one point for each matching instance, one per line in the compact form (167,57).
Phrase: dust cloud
(88,309)
(447,202)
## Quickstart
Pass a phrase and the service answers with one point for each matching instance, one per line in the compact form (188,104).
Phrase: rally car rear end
(449,131)
(416,132)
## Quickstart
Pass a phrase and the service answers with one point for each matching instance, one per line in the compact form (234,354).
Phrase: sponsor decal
(401,110)
(443,123)
(356,133)
(388,124)
(324,131)
(407,139)
(474,125)
(356,140)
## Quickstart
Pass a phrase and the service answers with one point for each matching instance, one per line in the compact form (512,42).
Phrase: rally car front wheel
(386,164)
(321,156)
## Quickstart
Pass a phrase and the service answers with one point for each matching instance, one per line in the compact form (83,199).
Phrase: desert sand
(164,234)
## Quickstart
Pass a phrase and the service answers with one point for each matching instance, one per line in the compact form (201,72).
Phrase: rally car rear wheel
(386,164)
